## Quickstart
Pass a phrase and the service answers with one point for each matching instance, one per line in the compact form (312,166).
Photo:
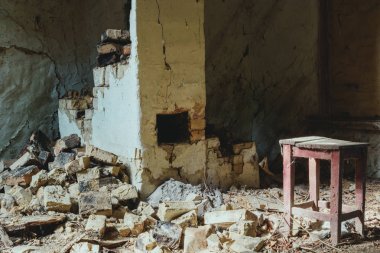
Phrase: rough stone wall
(46,48)
(261,73)
(355,58)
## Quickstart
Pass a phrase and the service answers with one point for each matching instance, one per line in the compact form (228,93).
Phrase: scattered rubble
(84,202)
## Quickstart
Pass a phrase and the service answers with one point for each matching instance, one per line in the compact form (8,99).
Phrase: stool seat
(318,142)
(316,148)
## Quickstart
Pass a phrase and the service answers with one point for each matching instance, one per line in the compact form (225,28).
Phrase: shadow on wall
(46,48)
(355,58)
(261,73)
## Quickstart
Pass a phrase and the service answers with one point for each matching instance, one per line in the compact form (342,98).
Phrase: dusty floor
(269,202)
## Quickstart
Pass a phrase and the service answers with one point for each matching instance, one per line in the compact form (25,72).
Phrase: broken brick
(95,203)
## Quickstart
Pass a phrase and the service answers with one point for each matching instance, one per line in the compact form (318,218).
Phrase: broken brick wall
(46,48)
(261,68)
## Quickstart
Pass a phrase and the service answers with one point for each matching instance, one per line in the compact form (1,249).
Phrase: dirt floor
(270,201)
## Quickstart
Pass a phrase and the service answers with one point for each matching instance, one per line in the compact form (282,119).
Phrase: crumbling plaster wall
(261,68)
(172,79)
(46,48)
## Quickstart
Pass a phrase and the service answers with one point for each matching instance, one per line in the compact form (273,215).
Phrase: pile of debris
(114,46)
(84,195)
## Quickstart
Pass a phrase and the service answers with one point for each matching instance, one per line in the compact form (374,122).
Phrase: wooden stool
(317,148)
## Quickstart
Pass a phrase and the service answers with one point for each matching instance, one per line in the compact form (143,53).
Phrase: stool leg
(314,181)
(360,178)
(288,174)
(336,196)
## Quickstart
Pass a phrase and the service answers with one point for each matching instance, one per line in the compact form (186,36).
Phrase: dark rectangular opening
(172,128)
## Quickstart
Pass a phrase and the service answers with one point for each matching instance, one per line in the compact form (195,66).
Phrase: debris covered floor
(84,202)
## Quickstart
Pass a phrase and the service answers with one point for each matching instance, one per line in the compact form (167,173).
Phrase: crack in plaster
(167,65)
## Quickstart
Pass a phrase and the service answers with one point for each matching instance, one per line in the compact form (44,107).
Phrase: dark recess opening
(173,128)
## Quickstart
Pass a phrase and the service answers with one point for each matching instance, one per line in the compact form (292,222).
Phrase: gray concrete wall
(261,68)
(46,48)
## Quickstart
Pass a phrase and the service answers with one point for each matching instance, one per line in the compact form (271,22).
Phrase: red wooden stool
(317,148)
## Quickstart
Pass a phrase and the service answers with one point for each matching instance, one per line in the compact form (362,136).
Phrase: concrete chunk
(57,176)
(89,174)
(95,203)
(61,159)
(56,199)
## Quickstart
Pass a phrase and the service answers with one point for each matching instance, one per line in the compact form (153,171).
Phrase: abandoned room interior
(158,126)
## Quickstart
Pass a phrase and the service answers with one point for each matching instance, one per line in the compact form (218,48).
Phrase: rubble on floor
(81,200)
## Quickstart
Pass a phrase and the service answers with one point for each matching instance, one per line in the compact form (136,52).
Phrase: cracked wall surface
(261,73)
(172,80)
(46,48)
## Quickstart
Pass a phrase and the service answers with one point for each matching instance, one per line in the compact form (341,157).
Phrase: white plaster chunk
(170,210)
(125,192)
(89,174)
(85,247)
(247,228)
(189,219)
(23,160)
(38,180)
(135,223)
(227,218)
(195,239)
(145,243)
(22,196)
(99,76)
(242,242)
(145,209)
(213,243)
(96,224)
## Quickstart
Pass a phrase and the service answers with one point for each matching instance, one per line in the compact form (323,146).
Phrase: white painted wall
(116,122)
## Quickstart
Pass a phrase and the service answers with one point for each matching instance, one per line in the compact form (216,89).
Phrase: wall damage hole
(172,128)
